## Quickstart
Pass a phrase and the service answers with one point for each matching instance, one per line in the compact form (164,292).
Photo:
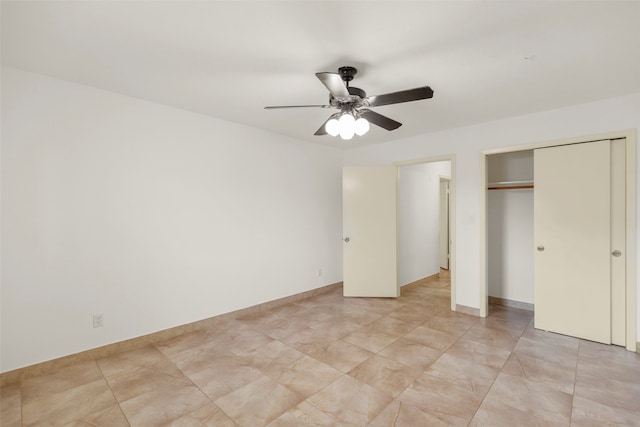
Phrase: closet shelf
(510,185)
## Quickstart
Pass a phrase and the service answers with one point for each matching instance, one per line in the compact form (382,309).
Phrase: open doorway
(372,227)
(424,231)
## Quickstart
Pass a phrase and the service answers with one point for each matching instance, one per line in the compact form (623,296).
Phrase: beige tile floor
(334,361)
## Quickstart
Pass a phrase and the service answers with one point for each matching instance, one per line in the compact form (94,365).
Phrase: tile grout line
(424,371)
(511,352)
(412,381)
(311,403)
(197,386)
(492,384)
(190,380)
(393,398)
(444,379)
(111,390)
(575,379)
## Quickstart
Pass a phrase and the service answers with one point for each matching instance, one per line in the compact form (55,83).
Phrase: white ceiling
(484,60)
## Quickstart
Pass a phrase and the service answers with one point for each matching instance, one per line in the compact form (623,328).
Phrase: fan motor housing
(347,73)
(355,99)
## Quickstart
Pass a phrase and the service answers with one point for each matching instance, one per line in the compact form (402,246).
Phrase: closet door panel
(572,217)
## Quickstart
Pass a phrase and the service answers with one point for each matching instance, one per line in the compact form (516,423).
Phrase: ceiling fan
(354,116)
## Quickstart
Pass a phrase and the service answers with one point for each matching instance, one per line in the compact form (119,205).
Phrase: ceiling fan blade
(398,97)
(321,130)
(275,107)
(334,83)
(380,120)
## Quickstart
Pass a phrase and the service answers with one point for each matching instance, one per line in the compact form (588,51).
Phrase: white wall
(150,215)
(467,143)
(510,228)
(510,244)
(418,220)
(509,167)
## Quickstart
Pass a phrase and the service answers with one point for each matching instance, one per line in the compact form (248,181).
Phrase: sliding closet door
(572,229)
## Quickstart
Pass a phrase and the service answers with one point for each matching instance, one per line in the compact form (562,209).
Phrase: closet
(556,237)
(510,229)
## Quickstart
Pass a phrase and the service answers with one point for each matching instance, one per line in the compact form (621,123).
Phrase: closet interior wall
(510,227)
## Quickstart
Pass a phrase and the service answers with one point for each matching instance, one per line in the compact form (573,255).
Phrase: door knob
(616,253)
(346,239)
(540,248)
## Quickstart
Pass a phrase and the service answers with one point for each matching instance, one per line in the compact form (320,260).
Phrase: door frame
(452,213)
(631,237)
(447,179)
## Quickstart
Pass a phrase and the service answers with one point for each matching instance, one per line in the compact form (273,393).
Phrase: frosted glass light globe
(346,134)
(332,127)
(347,126)
(361,126)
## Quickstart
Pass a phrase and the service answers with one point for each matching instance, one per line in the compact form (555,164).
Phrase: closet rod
(510,185)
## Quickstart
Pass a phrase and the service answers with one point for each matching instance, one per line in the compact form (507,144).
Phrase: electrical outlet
(319,272)
(98,320)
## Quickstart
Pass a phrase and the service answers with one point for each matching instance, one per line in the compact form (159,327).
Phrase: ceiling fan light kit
(346,125)
(354,116)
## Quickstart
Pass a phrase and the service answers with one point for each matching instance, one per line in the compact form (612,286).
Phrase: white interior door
(369,228)
(572,229)
(444,223)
